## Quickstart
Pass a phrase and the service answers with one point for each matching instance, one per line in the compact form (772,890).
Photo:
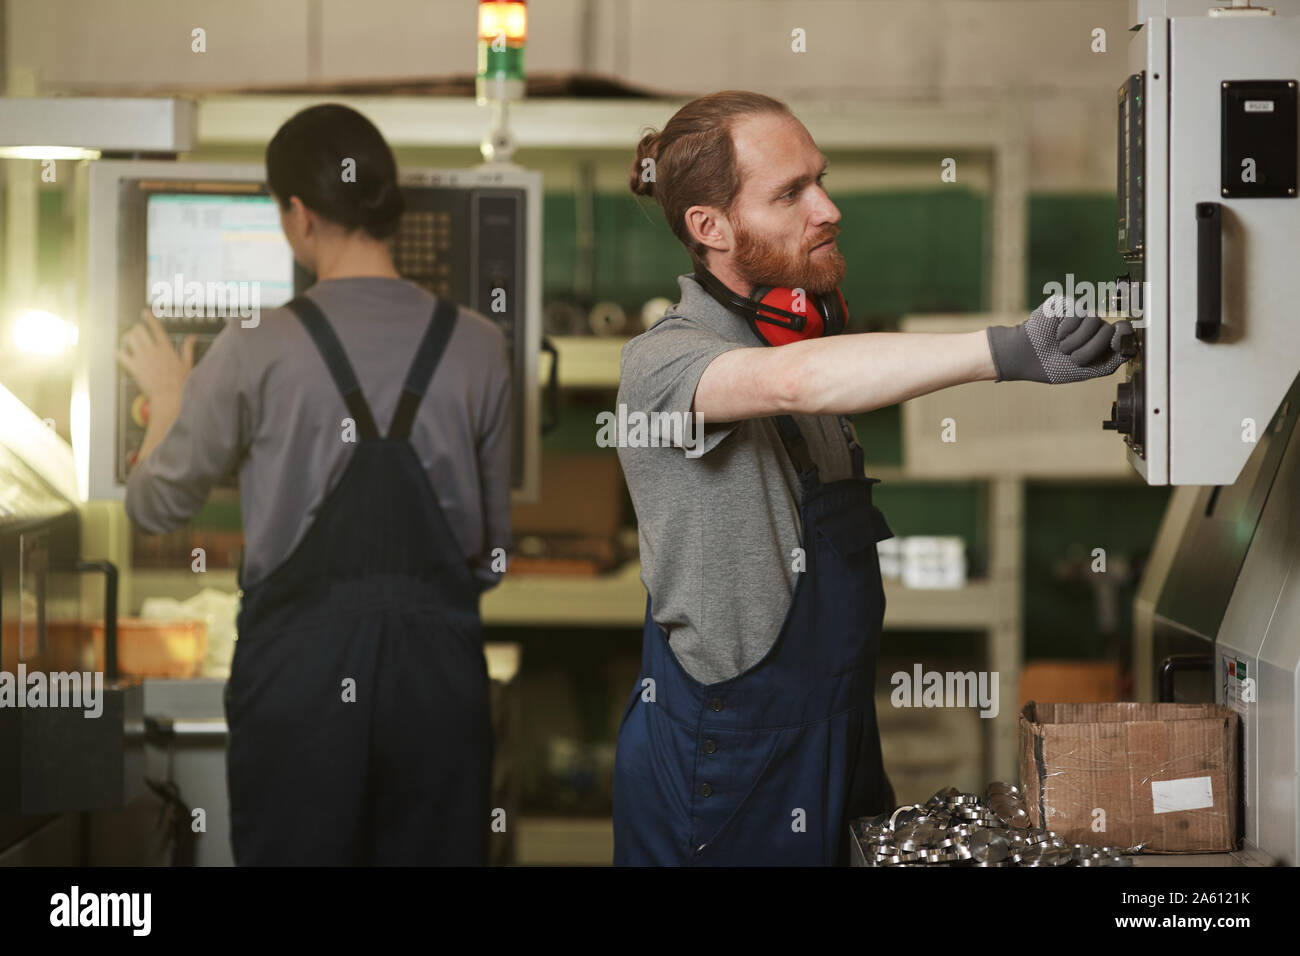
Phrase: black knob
(1121,411)
(1128,345)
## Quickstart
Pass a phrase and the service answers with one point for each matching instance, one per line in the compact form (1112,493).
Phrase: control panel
(1207,224)
(200,245)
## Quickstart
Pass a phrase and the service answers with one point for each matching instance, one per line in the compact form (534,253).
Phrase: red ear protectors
(780,316)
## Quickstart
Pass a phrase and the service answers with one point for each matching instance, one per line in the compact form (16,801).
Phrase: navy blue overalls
(769,767)
(358,695)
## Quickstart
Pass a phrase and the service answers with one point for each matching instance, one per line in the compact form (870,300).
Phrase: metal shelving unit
(983,130)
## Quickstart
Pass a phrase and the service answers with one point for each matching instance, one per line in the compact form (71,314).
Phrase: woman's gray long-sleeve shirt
(262,400)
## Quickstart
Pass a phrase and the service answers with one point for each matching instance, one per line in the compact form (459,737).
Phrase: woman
(358,695)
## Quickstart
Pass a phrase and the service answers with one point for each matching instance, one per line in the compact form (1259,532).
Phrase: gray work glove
(1061,342)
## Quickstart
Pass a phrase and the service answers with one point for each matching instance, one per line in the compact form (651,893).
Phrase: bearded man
(751,735)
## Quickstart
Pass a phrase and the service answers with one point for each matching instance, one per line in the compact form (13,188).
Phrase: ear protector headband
(779,315)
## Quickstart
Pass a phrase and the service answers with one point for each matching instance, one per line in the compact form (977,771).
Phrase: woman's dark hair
(308,157)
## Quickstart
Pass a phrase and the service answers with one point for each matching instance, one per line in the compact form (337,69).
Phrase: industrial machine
(71,739)
(1209,225)
(200,245)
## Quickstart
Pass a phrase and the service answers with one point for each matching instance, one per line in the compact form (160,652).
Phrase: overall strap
(796,446)
(423,366)
(855,450)
(336,360)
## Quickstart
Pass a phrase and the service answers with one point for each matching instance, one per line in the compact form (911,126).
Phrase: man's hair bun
(692,160)
(648,148)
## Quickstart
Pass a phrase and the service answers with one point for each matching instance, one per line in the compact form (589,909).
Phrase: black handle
(109,570)
(552,406)
(1209,270)
(1179,662)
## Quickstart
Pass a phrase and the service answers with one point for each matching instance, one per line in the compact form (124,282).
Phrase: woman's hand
(147,354)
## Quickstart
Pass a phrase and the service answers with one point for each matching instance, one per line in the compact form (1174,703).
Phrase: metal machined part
(904,815)
(956,828)
(1031,856)
(988,846)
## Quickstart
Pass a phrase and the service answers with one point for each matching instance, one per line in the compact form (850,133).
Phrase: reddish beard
(763,263)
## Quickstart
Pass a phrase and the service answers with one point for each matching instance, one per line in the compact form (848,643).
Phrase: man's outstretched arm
(848,374)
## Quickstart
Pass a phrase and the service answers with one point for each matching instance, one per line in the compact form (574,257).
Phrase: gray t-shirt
(717,530)
(261,398)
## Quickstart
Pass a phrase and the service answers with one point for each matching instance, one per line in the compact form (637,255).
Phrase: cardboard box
(1160,776)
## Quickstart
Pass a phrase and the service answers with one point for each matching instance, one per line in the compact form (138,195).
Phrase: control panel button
(140,411)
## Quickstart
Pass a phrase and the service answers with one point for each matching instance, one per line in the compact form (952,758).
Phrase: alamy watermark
(636,429)
(1102,299)
(84,690)
(946,689)
(76,908)
(181,299)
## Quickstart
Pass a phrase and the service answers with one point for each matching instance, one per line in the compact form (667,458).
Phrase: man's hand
(1060,343)
(147,354)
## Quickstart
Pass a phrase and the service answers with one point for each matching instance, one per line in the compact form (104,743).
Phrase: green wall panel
(915,251)
(1070,234)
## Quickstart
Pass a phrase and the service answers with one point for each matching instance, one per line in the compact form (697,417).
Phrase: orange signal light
(508,18)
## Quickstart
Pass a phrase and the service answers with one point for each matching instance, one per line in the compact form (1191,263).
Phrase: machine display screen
(216,240)
(191,250)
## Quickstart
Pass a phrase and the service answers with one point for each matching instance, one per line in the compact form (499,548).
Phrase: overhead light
(141,125)
(37,332)
(47,152)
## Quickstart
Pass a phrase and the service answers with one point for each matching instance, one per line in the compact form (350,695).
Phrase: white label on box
(1190,793)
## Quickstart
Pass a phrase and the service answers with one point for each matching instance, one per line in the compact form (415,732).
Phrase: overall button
(715,704)
(710,745)
(706,789)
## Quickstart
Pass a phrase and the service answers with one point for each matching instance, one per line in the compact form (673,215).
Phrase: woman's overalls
(358,695)
(769,767)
